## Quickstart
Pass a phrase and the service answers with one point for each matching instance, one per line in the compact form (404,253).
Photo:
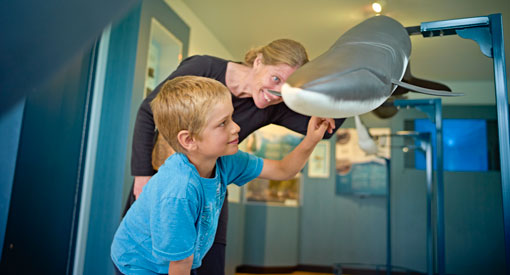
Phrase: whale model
(357,74)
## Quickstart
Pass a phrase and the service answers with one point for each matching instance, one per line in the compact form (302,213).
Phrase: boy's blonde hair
(281,51)
(183,104)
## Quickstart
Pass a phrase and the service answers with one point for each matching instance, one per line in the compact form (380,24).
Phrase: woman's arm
(182,267)
(143,140)
(291,164)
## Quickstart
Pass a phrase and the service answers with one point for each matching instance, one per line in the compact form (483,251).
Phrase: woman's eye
(276,79)
(223,123)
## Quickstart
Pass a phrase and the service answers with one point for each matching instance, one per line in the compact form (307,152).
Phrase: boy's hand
(317,126)
(291,164)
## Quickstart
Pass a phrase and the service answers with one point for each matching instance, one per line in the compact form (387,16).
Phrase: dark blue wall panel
(105,207)
(42,215)
(10,128)
(41,38)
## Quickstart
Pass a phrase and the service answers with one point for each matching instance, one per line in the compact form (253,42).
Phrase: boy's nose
(236,129)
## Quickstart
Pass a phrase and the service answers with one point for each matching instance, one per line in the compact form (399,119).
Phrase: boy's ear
(186,140)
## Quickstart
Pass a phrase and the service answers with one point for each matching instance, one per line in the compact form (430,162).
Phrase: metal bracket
(487,32)
(481,36)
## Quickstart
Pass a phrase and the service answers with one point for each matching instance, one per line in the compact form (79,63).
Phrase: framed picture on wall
(318,163)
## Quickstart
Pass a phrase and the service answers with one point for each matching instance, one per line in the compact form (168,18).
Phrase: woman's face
(268,77)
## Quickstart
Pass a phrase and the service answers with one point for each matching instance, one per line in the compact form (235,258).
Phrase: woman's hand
(182,267)
(140,182)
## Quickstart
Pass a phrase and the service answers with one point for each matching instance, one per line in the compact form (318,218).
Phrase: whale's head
(355,76)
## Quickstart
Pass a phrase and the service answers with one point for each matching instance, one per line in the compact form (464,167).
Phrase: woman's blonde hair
(281,51)
(183,104)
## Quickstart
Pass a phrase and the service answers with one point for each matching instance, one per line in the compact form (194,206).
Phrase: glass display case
(272,142)
(164,55)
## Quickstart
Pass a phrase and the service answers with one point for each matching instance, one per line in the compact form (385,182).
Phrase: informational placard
(357,172)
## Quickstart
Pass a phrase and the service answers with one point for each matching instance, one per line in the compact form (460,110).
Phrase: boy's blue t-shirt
(177,213)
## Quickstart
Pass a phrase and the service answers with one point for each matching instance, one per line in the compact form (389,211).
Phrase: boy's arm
(182,267)
(291,164)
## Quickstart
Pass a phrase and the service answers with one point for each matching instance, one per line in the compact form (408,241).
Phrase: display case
(163,57)
(272,142)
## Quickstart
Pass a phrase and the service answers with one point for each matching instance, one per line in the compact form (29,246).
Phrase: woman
(265,68)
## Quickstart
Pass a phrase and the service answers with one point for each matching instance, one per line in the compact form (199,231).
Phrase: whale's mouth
(315,104)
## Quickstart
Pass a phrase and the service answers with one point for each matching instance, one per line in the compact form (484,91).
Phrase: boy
(172,224)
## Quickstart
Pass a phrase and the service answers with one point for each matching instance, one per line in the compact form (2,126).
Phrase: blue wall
(235,237)
(48,172)
(348,229)
(271,235)
(105,205)
(356,227)
(10,128)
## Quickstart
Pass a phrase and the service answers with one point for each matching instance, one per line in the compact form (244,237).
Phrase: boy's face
(220,136)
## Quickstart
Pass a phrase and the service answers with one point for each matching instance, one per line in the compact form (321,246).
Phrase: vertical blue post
(433,109)
(498,50)
(427,144)
(388,218)
(438,120)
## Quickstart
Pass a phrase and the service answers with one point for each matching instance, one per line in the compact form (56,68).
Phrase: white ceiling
(242,24)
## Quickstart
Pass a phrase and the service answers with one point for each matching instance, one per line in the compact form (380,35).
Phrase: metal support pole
(429,167)
(487,31)
(498,51)
(424,141)
(438,120)
(388,218)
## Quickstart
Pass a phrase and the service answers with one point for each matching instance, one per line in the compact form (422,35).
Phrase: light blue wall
(338,229)
(271,235)
(349,229)
(235,237)
(474,223)
(255,235)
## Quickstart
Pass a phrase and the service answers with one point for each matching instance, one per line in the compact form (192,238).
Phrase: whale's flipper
(425,83)
(422,90)
(365,140)
(388,110)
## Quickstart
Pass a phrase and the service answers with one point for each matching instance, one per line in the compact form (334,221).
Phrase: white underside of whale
(315,104)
